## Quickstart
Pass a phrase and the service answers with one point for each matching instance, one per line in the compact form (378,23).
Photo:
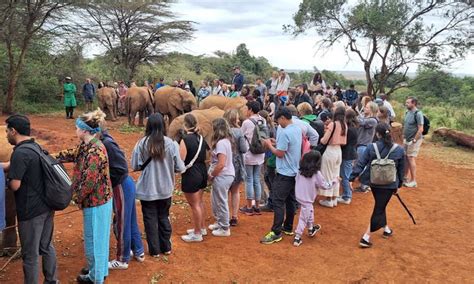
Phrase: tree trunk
(458,137)
(370,85)
(11,88)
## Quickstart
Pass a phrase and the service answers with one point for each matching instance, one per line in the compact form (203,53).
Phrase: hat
(68,78)
(379,101)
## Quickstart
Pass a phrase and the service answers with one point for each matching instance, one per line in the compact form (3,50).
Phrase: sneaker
(326,203)
(247,211)
(213,227)
(117,265)
(256,210)
(271,238)
(266,208)
(297,242)
(288,232)
(191,238)
(387,235)
(203,231)
(411,184)
(221,232)
(334,202)
(362,189)
(233,221)
(314,230)
(364,244)
(140,258)
(344,201)
(167,252)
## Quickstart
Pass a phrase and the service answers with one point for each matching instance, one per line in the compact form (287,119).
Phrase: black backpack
(317,125)
(426,123)
(57,184)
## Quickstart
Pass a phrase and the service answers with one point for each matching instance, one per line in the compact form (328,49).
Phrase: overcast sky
(222,25)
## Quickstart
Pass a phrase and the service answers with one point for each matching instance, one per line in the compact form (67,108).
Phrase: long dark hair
(310,164)
(383,130)
(340,115)
(351,118)
(317,78)
(155,134)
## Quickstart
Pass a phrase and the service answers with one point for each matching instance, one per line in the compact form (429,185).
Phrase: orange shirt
(337,138)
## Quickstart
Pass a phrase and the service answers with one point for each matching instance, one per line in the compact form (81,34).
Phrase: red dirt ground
(438,249)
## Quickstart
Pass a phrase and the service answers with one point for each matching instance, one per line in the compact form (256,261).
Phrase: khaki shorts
(412,149)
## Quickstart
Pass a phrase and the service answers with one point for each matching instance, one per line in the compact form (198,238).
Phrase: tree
(22,22)
(132,32)
(387,36)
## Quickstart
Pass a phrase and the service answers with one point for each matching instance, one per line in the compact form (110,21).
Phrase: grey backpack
(260,132)
(383,171)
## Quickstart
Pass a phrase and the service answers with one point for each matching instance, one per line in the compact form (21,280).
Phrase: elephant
(204,121)
(8,237)
(225,103)
(139,99)
(108,101)
(173,101)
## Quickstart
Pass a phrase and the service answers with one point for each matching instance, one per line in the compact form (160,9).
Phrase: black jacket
(117,163)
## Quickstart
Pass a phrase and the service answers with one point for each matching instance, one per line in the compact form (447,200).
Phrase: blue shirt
(2,200)
(289,140)
(158,85)
(88,90)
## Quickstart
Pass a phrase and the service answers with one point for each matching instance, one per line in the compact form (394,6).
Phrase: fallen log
(458,137)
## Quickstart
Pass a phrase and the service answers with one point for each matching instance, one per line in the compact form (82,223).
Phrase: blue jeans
(346,170)
(126,228)
(360,153)
(253,188)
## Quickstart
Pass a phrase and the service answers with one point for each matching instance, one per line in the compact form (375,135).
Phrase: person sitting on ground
(308,181)
(381,193)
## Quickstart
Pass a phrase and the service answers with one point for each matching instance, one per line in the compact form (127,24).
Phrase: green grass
(126,128)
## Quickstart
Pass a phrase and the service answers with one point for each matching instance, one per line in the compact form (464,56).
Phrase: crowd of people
(293,145)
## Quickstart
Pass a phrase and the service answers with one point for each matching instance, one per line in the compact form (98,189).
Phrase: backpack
(57,184)
(259,132)
(426,123)
(383,171)
(317,125)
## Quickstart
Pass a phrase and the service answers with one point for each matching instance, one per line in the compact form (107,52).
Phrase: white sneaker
(343,201)
(326,203)
(213,227)
(203,231)
(192,237)
(118,265)
(410,184)
(334,202)
(221,232)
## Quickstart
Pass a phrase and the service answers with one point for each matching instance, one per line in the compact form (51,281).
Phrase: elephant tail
(128,105)
(152,98)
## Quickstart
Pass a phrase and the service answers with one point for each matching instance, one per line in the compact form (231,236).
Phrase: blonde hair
(373,107)
(339,104)
(275,74)
(221,130)
(94,118)
(232,115)
(304,108)
(365,100)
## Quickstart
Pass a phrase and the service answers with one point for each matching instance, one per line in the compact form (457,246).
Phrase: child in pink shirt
(308,180)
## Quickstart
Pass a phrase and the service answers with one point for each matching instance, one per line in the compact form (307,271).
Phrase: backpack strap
(377,153)
(191,163)
(394,146)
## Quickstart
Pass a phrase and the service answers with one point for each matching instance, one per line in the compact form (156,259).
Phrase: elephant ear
(178,99)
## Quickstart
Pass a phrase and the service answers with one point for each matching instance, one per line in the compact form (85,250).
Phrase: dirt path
(439,248)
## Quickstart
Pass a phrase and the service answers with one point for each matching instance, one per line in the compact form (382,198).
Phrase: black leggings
(69,112)
(379,216)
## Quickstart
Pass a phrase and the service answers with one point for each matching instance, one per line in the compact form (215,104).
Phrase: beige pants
(330,167)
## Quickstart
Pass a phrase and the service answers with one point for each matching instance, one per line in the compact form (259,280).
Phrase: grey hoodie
(157,179)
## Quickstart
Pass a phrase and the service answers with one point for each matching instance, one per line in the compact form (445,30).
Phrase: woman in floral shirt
(92,192)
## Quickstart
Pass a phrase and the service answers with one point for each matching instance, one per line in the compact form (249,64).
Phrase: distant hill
(360,75)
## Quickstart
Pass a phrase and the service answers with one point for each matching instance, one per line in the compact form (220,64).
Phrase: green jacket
(69,91)
(309,117)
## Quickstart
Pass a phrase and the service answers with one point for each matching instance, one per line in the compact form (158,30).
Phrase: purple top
(306,188)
